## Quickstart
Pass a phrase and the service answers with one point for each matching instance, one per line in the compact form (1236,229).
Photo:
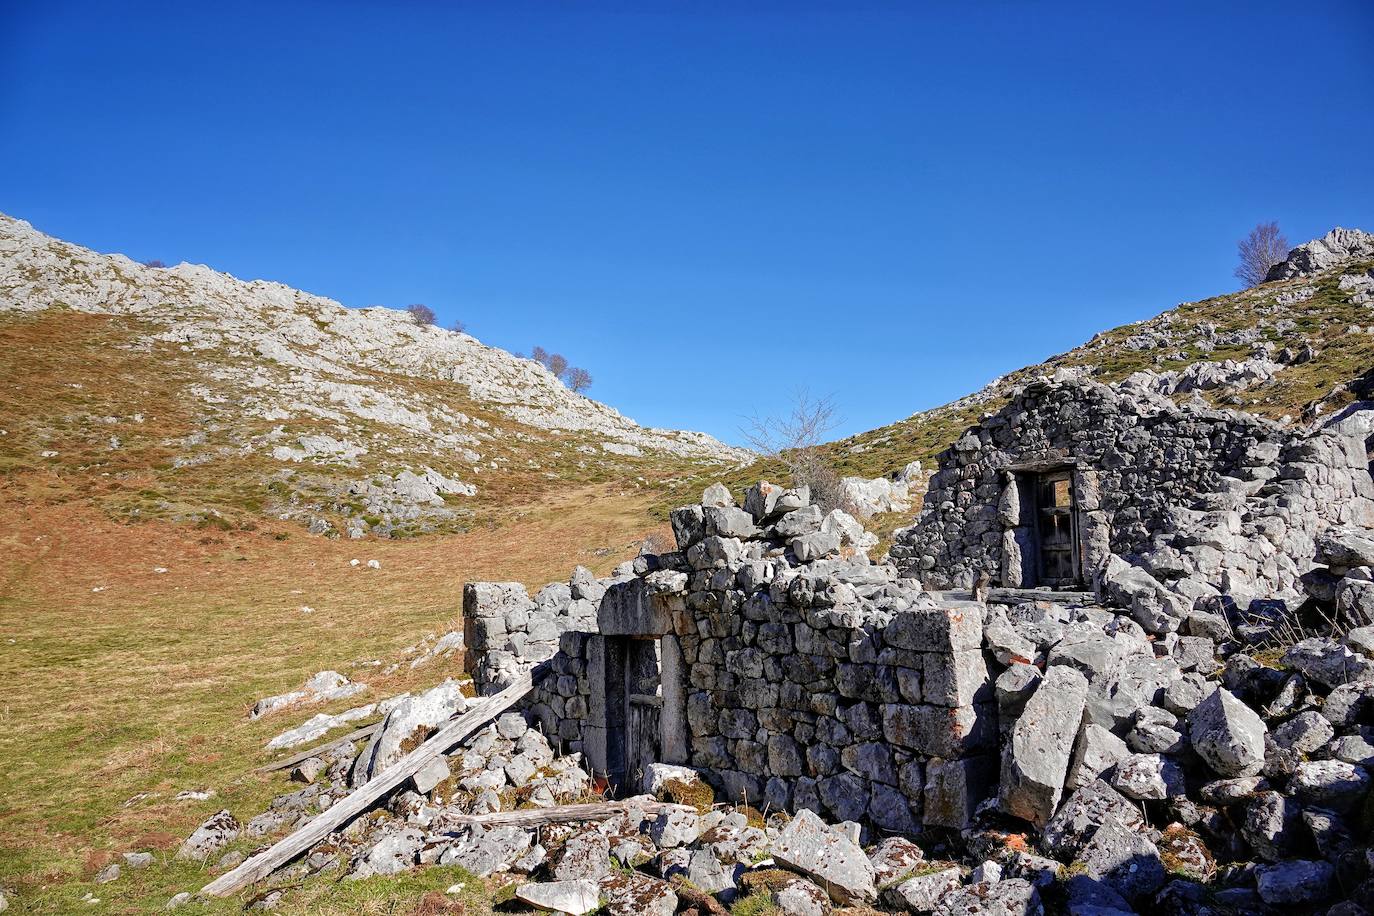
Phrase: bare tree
(459,325)
(422,314)
(796,440)
(579,380)
(558,364)
(540,355)
(1264,247)
(154,263)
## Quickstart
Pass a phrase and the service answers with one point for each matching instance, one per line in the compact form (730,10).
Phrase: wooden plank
(340,813)
(558,814)
(349,738)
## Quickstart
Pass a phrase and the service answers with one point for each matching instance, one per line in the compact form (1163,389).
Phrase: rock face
(838,865)
(1335,247)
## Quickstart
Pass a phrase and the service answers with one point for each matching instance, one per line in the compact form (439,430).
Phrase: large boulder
(1035,761)
(1228,735)
(808,846)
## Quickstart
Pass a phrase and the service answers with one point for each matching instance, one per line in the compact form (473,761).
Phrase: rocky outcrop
(1336,247)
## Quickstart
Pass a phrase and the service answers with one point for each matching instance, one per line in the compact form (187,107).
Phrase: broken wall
(1208,501)
(794,672)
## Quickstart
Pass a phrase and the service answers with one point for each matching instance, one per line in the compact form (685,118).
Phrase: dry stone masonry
(1203,503)
(770,655)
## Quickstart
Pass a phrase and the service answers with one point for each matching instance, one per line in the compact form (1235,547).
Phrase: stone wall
(793,672)
(1207,501)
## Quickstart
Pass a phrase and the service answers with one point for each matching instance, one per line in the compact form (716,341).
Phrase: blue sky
(706,205)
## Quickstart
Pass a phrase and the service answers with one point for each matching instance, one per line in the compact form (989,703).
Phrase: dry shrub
(797,440)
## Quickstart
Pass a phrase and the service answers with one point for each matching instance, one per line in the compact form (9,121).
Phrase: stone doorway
(634,707)
(1057,562)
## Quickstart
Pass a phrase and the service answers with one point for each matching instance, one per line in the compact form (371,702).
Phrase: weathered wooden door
(643,705)
(1056,530)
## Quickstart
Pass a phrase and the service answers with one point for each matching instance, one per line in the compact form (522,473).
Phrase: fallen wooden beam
(558,814)
(349,738)
(340,813)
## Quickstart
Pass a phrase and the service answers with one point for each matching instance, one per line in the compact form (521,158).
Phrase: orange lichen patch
(1016,841)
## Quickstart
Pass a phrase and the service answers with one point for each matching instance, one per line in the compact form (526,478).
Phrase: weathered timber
(294,759)
(268,861)
(561,814)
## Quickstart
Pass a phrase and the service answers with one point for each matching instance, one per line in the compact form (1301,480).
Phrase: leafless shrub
(579,379)
(423,314)
(1264,247)
(459,326)
(155,263)
(796,440)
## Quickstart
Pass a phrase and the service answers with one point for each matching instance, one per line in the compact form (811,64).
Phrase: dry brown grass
(142,688)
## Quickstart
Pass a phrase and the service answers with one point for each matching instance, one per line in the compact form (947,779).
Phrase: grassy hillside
(130,684)
(1300,392)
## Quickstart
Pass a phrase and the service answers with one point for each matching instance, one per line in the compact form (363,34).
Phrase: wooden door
(643,704)
(1056,530)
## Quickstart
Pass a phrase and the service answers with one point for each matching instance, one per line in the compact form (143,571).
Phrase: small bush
(155,263)
(1264,247)
(422,314)
(797,441)
(579,379)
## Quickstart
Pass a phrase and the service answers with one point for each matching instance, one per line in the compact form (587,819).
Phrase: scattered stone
(1228,735)
(218,831)
(572,897)
(808,846)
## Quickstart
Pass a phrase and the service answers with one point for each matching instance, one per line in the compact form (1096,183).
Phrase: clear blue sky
(704,204)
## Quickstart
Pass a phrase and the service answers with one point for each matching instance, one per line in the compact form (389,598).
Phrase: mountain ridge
(425,416)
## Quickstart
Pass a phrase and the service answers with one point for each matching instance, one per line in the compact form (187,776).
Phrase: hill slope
(185,393)
(1295,347)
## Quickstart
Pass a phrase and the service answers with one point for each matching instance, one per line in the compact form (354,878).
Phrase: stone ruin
(1210,502)
(1158,696)
(1136,549)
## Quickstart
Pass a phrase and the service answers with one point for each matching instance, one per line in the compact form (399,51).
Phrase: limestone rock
(572,897)
(808,846)
(408,723)
(1228,735)
(218,831)
(1297,881)
(1036,760)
